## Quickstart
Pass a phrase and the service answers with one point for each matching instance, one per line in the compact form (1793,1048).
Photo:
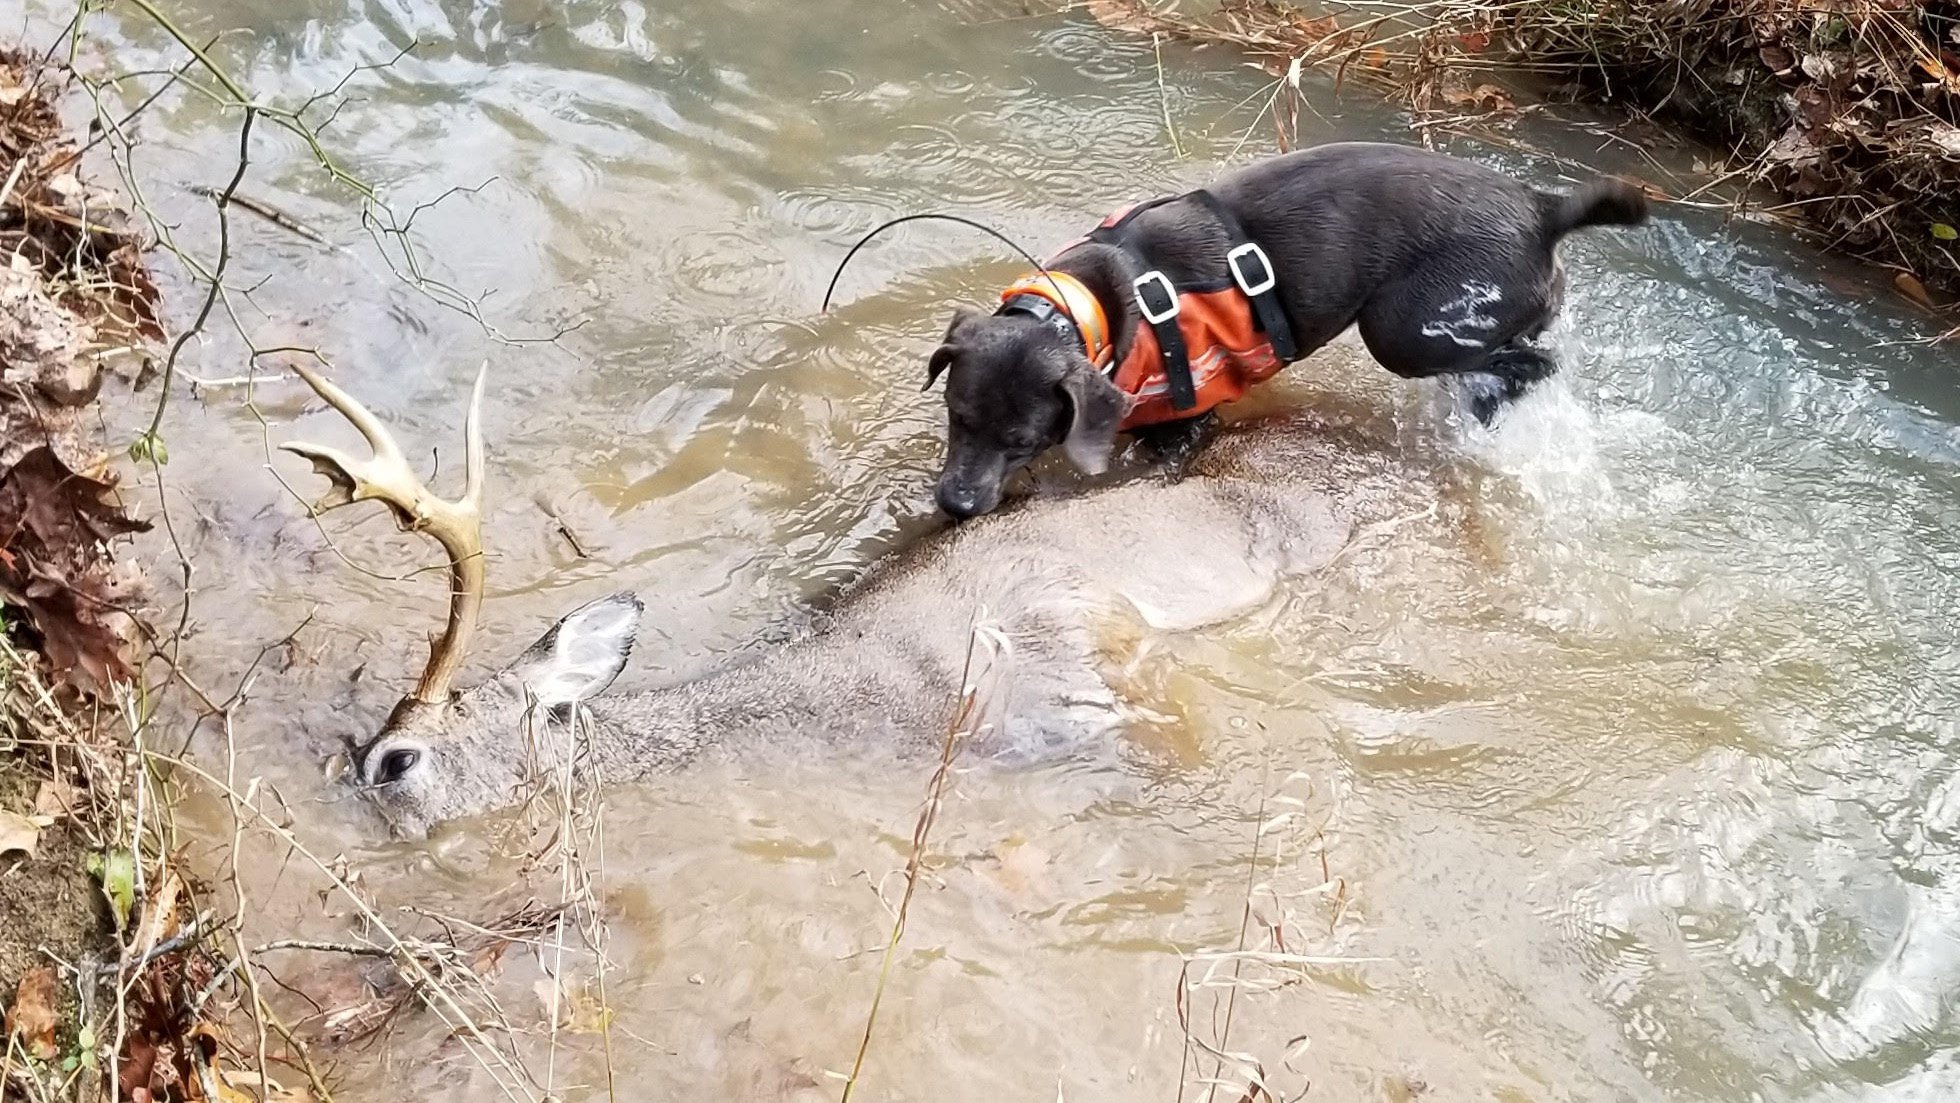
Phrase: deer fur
(884,663)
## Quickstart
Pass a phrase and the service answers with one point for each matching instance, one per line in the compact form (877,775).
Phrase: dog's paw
(1170,474)
(1176,445)
(1486,396)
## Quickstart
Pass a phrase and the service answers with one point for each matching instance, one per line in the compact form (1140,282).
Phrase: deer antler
(456,525)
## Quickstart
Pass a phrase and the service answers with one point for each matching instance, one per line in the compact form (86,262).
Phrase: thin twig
(977,638)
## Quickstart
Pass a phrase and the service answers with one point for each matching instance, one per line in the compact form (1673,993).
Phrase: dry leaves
(214,1084)
(52,216)
(1849,107)
(1486,99)
(72,280)
(20,834)
(164,1055)
(578,1007)
(56,799)
(1913,288)
(56,526)
(31,1019)
(159,914)
(1130,16)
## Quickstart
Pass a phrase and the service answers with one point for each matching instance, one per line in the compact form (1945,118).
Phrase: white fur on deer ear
(581,654)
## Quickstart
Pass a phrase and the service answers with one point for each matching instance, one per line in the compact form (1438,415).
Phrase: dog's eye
(395,764)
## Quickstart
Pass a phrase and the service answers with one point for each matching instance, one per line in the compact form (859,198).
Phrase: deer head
(445,753)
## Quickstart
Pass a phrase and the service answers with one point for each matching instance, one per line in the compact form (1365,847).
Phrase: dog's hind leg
(1486,333)
(1175,444)
(1509,372)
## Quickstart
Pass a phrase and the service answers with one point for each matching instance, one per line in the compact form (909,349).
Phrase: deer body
(885,665)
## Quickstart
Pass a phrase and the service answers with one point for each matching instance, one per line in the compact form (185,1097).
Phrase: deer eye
(395,764)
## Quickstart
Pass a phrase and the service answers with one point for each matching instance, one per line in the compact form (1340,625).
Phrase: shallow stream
(1630,765)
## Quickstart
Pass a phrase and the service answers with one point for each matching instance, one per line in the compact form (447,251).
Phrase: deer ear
(942,357)
(1097,408)
(579,657)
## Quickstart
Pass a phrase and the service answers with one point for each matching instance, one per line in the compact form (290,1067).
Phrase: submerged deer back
(1049,578)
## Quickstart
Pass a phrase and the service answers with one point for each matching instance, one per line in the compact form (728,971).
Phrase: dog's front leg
(1175,444)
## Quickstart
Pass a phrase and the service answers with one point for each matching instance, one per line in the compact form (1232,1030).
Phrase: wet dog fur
(1448,268)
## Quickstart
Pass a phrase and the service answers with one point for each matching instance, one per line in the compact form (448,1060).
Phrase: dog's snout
(959,502)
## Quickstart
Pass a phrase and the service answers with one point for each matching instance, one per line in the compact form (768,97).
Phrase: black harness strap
(1253,271)
(1157,302)
(1250,270)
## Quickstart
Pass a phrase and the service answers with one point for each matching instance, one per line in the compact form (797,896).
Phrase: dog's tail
(1600,203)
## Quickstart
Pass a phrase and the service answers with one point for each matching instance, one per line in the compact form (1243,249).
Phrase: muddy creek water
(1632,764)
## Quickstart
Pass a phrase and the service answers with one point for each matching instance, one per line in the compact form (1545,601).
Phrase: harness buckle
(1155,280)
(1247,284)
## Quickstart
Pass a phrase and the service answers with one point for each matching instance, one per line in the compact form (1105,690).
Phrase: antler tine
(378,437)
(473,444)
(387,478)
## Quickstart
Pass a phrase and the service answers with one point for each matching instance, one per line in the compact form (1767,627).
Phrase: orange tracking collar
(1073,298)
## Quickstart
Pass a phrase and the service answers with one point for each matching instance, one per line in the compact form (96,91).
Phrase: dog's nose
(959,502)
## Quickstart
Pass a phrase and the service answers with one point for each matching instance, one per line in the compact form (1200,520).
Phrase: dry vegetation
(124,972)
(1845,112)
(75,303)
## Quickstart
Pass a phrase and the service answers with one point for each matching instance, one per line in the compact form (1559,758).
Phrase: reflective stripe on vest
(1227,353)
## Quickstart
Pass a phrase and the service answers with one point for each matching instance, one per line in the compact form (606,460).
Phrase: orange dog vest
(1224,336)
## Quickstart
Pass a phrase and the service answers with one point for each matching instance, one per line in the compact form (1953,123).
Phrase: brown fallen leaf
(54,520)
(139,1067)
(207,1047)
(31,1018)
(159,914)
(1937,68)
(19,833)
(579,1009)
(262,1090)
(1315,31)
(138,292)
(1125,15)
(1909,285)
(1484,97)
(55,799)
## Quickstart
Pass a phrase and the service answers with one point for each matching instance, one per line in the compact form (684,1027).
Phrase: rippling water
(1632,761)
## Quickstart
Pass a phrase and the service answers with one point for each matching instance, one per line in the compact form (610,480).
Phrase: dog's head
(1014,389)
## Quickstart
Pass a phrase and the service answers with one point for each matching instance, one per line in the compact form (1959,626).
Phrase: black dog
(1448,267)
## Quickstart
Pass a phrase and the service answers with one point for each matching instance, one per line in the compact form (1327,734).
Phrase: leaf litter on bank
(71,285)
(1849,110)
(19,834)
(31,1018)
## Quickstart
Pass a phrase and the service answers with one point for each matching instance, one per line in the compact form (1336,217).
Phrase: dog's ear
(1097,408)
(942,357)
